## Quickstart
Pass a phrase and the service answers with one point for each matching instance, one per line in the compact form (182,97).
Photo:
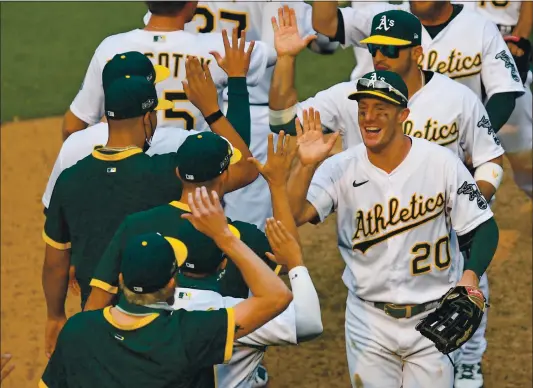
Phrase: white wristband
(489,172)
(282,117)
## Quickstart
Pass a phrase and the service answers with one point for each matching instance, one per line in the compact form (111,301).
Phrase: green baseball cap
(133,63)
(132,96)
(150,260)
(205,156)
(382,84)
(395,28)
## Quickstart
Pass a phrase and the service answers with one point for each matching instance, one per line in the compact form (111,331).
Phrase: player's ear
(402,115)
(416,53)
(222,265)
(178,172)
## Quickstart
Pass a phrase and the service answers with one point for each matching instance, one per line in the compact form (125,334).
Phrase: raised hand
(287,40)
(286,249)
(207,215)
(312,147)
(277,168)
(199,86)
(237,60)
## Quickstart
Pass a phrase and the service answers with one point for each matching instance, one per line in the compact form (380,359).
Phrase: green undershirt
(499,107)
(239,108)
(483,247)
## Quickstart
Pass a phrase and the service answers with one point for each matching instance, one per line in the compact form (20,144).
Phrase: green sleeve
(56,232)
(483,247)
(499,107)
(106,274)
(239,108)
(208,336)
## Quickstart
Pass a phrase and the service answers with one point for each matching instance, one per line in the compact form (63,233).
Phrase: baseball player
(252,203)
(183,345)
(166,218)
(397,198)
(456,119)
(482,62)
(84,211)
(167,139)
(165,43)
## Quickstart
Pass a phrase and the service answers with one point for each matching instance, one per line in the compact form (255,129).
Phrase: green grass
(46,48)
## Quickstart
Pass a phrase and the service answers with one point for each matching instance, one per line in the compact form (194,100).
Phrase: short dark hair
(166,7)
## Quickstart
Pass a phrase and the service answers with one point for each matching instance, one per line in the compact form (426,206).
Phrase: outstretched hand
(207,215)
(237,60)
(287,39)
(286,249)
(277,168)
(312,146)
(199,86)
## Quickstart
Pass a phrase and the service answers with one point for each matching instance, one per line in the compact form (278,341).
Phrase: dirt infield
(28,153)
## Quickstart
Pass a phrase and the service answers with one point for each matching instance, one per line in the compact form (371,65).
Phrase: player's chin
(372,137)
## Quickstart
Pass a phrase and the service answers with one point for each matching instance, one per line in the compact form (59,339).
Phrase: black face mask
(146,145)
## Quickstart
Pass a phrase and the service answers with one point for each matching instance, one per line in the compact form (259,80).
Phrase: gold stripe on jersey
(228,351)
(42,384)
(433,131)
(132,326)
(103,286)
(455,66)
(55,244)
(180,205)
(115,156)
(374,222)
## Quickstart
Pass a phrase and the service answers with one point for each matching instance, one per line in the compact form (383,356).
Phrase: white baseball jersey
(169,49)
(442,111)
(254,17)
(482,61)
(394,230)
(81,143)
(502,12)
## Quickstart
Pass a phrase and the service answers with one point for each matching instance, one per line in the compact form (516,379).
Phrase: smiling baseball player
(252,203)
(397,199)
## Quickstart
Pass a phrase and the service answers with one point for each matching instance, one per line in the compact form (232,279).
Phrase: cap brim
(237,155)
(373,93)
(179,248)
(388,40)
(164,105)
(161,73)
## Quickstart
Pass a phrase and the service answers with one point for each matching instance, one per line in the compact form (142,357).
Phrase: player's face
(401,64)
(378,121)
(427,9)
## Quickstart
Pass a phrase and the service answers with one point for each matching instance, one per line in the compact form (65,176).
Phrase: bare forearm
(282,209)
(298,187)
(55,283)
(71,124)
(525,20)
(261,280)
(98,299)
(283,93)
(325,18)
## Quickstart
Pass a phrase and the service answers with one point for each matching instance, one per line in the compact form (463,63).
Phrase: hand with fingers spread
(312,146)
(236,60)
(277,168)
(207,215)
(199,86)
(286,249)
(287,39)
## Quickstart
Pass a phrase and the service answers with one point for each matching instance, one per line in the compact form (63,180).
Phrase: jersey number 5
(175,114)
(440,252)
(240,18)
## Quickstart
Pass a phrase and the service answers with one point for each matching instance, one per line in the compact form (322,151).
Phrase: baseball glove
(455,320)
(522,62)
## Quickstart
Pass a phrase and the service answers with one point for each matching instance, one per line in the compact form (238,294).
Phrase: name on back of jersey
(174,61)
(383,221)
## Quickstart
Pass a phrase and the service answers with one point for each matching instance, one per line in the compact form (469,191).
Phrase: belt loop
(408,312)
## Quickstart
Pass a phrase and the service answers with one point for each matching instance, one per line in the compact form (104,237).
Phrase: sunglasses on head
(387,50)
(366,83)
